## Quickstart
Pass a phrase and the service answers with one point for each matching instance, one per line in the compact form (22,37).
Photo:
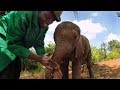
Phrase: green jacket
(20,30)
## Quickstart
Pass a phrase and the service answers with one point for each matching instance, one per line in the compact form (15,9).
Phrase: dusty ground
(102,70)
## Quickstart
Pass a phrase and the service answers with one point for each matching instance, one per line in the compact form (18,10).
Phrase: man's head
(47,17)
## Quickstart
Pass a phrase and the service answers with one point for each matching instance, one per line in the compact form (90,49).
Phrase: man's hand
(57,74)
(47,62)
(52,65)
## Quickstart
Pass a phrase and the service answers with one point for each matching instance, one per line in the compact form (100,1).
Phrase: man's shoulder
(23,13)
(29,14)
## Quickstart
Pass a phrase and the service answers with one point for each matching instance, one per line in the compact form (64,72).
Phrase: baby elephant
(71,45)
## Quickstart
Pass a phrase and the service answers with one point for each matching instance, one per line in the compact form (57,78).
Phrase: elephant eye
(75,36)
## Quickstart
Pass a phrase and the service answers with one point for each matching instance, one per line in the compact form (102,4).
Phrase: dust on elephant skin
(71,45)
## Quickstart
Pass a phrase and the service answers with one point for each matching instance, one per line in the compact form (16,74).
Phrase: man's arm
(17,26)
(39,44)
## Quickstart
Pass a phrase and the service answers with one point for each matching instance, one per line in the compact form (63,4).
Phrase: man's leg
(12,71)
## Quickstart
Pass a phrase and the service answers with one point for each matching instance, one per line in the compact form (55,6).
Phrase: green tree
(95,54)
(114,54)
(103,50)
(114,49)
(113,45)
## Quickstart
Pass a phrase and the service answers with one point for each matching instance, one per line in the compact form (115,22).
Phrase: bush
(113,54)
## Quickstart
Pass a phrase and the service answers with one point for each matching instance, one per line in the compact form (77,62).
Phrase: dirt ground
(102,70)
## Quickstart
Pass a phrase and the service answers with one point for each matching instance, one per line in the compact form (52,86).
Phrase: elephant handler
(20,30)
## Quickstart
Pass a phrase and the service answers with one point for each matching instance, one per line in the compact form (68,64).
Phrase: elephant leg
(64,68)
(89,66)
(76,69)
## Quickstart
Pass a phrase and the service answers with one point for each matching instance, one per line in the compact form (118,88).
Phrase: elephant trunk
(59,53)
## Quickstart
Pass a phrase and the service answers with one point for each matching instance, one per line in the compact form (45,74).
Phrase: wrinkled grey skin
(70,45)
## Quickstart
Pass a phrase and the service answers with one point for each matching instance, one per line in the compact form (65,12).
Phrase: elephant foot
(92,77)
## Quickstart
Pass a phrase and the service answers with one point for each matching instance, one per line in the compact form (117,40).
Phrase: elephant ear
(79,48)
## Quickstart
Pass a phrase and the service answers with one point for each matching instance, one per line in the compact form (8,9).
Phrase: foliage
(113,45)
(30,65)
(50,49)
(103,50)
(95,54)
(99,54)
(114,54)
